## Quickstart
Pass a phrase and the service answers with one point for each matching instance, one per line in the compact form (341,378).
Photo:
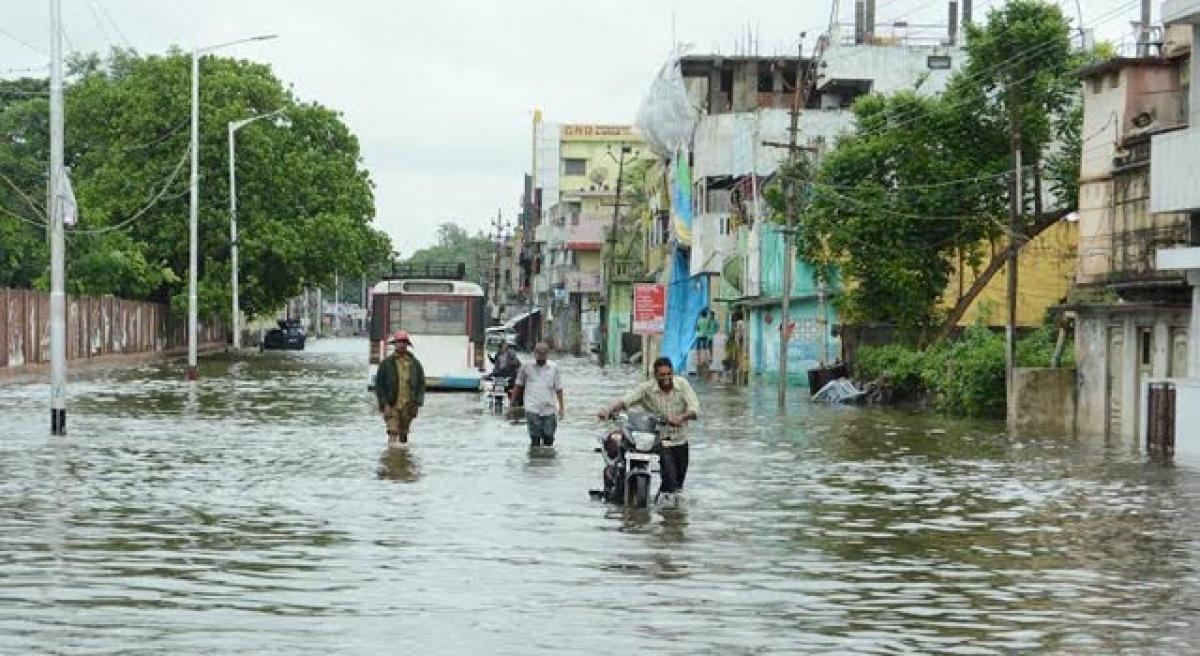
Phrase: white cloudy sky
(441,92)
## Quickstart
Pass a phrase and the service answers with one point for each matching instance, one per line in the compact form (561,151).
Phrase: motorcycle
(497,393)
(630,452)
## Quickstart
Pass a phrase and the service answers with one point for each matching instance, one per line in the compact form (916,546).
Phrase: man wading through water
(400,388)
(540,389)
(670,397)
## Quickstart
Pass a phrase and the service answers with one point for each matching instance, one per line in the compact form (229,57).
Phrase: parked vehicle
(630,452)
(288,336)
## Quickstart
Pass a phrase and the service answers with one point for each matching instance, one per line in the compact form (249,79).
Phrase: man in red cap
(400,388)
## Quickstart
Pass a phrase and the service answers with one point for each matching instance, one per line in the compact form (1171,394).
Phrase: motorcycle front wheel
(640,492)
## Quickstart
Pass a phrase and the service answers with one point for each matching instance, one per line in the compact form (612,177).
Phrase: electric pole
(58,297)
(610,261)
(1143,47)
(500,226)
(1016,209)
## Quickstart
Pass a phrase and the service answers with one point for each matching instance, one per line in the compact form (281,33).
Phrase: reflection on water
(398,464)
(230,514)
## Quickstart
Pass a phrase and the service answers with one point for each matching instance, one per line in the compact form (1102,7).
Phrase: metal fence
(95,327)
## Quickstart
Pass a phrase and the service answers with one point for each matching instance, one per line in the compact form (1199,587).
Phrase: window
(939,62)
(393,314)
(574,166)
(1097,85)
(434,316)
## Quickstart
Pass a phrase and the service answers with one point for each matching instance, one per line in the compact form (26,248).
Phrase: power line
(38,224)
(27,69)
(38,210)
(100,23)
(23,42)
(153,201)
(116,27)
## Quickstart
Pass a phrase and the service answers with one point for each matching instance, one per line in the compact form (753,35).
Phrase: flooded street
(260,512)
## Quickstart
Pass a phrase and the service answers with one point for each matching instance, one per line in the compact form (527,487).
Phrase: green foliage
(305,204)
(24,142)
(880,206)
(456,246)
(963,378)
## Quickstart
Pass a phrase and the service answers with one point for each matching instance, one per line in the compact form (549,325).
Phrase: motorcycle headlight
(643,441)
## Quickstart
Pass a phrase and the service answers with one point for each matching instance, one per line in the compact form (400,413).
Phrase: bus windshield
(429,316)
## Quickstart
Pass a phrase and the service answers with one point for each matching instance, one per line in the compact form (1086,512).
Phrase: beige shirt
(679,401)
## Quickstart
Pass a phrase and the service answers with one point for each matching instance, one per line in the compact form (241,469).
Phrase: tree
(24,149)
(305,203)
(456,246)
(922,184)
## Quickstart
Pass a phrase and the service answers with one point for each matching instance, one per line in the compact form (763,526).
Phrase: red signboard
(649,308)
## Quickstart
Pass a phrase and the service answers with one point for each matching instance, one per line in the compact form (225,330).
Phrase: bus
(445,319)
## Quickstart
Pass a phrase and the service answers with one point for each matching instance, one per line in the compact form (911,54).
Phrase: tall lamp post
(234,126)
(193,214)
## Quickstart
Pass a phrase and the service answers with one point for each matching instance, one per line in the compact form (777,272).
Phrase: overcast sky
(441,92)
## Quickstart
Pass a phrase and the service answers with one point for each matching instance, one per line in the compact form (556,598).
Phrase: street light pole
(234,126)
(194,206)
(58,297)
(233,237)
(193,216)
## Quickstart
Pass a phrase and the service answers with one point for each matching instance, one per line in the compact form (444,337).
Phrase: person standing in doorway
(400,388)
(540,390)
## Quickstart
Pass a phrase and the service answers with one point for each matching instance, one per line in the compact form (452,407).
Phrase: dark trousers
(673,462)
(541,429)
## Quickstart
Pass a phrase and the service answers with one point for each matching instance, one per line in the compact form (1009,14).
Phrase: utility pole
(499,225)
(1143,48)
(58,297)
(337,300)
(194,223)
(610,261)
(785,317)
(1016,209)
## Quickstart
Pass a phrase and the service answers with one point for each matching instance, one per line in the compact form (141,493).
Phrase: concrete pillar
(777,87)
(1161,357)
(1129,381)
(716,104)
(1194,97)
(1194,327)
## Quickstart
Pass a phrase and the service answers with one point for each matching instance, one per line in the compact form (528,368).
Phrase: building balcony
(628,270)
(580,282)
(1134,268)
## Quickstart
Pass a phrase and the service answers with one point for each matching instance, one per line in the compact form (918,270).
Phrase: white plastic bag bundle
(666,117)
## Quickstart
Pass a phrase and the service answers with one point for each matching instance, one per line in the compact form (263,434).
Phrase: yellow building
(1045,270)
(589,163)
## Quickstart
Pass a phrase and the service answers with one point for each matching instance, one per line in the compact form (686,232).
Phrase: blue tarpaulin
(686,296)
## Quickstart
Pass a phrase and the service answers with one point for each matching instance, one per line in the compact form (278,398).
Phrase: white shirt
(541,386)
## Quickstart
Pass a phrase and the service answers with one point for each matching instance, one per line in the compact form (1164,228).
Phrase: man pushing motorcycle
(672,398)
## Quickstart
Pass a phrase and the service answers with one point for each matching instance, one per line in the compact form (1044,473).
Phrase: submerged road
(258,511)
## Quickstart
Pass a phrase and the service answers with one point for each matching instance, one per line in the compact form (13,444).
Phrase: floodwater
(259,512)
